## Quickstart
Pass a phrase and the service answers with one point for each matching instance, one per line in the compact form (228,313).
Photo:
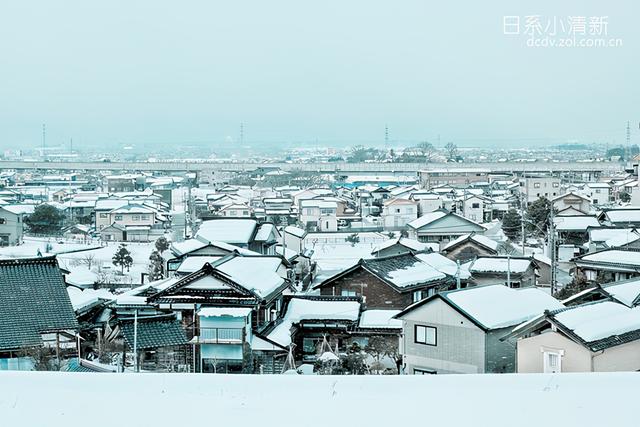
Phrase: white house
(397,213)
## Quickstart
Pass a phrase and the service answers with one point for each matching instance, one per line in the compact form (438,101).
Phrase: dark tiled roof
(385,267)
(33,299)
(153,332)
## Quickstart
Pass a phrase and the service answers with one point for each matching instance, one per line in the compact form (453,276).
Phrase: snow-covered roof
(427,219)
(499,265)
(224,311)
(308,309)
(602,234)
(443,264)
(623,215)
(613,256)
(195,263)
(411,244)
(295,231)
(498,306)
(480,239)
(256,273)
(592,322)
(626,292)
(371,319)
(575,223)
(227,230)
(83,297)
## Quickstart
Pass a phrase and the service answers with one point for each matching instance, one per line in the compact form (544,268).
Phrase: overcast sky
(336,71)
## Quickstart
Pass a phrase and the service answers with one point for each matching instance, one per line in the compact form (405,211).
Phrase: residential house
(35,311)
(11,225)
(513,272)
(609,265)
(599,193)
(459,331)
(621,217)
(571,204)
(470,246)
(393,282)
(224,305)
(246,233)
(600,336)
(402,245)
(397,213)
(535,186)
(442,226)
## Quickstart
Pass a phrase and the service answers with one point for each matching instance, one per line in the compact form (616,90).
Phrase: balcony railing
(206,335)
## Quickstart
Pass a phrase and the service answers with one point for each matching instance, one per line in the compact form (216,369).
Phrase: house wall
(460,346)
(526,279)
(529,352)
(11,228)
(500,357)
(377,294)
(444,230)
(625,357)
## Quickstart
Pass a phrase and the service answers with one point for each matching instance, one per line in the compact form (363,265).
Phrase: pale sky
(168,72)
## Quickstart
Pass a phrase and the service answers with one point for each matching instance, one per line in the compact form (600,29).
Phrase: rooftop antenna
(628,147)
(241,133)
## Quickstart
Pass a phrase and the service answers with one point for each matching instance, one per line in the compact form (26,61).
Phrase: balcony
(206,335)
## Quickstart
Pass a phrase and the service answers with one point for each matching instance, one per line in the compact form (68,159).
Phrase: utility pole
(508,270)
(552,251)
(522,221)
(457,274)
(135,339)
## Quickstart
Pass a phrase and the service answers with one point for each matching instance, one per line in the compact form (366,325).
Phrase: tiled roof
(33,299)
(153,332)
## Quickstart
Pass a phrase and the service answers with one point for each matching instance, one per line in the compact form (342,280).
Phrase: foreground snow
(59,399)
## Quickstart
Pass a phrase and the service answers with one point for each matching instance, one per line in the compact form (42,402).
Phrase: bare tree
(452,151)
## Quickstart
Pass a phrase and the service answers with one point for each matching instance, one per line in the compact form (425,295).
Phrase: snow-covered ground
(62,399)
(31,245)
(103,269)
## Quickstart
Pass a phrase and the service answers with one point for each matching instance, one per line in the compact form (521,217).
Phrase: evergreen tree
(122,258)
(162,244)
(625,197)
(45,219)
(537,216)
(511,224)
(156,266)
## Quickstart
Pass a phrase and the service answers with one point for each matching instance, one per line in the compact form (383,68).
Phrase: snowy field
(64,399)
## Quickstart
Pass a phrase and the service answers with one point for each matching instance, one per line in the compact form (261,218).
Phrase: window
(118,217)
(136,217)
(475,205)
(103,215)
(536,185)
(416,296)
(597,191)
(552,362)
(556,185)
(145,217)
(397,210)
(514,284)
(418,371)
(3,221)
(348,293)
(425,335)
